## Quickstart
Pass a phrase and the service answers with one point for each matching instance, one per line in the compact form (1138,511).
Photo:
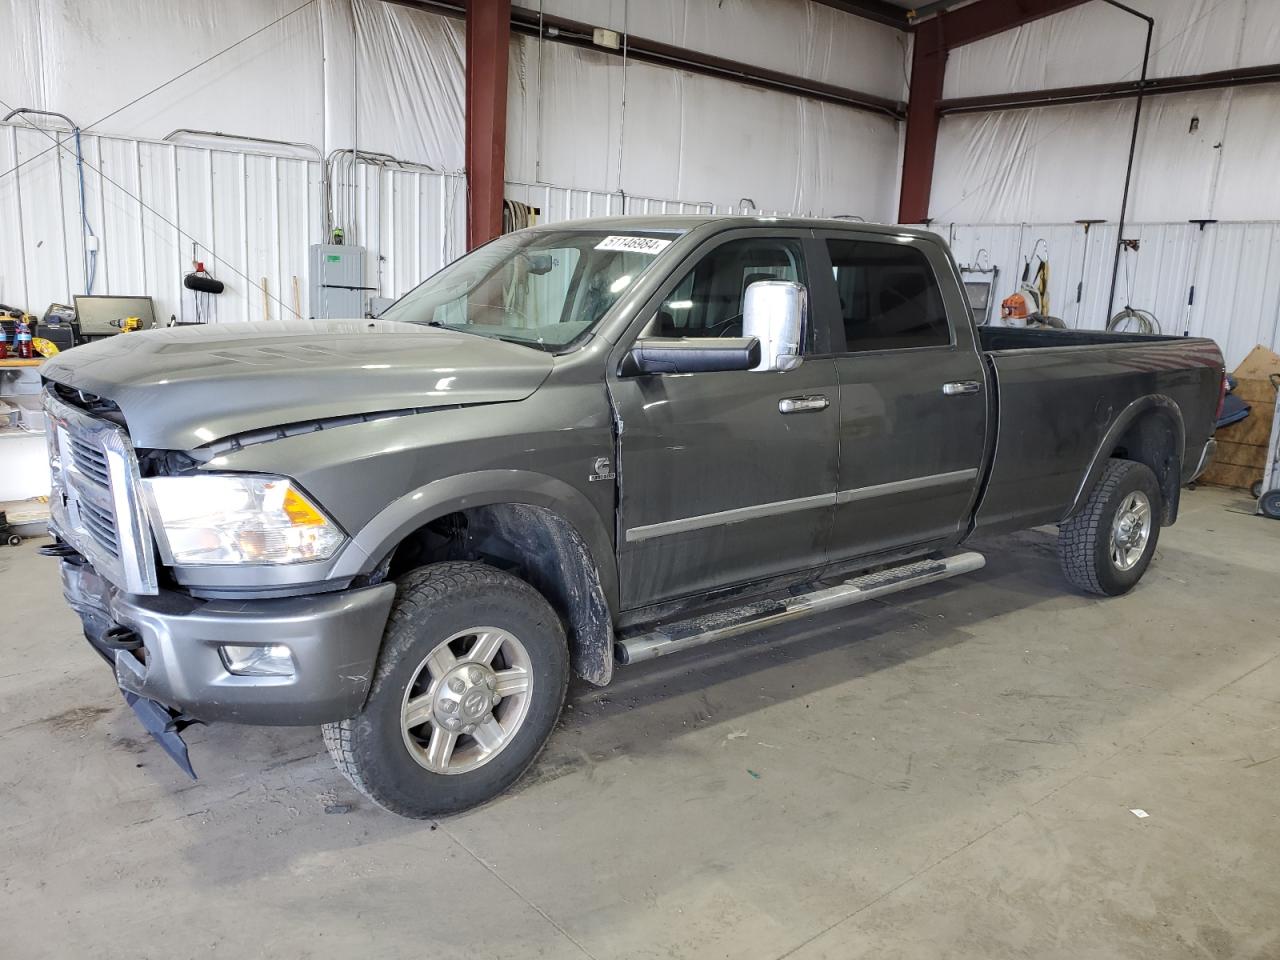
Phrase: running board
(686,634)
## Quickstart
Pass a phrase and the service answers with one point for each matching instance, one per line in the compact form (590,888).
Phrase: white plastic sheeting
(583,118)
(1207,154)
(1096,43)
(331,73)
(1233,267)
(1068,162)
(251,215)
(410,79)
(800,38)
(586,119)
(88,60)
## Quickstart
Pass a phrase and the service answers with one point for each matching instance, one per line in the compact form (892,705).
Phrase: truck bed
(1062,400)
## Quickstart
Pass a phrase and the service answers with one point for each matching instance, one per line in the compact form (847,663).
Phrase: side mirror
(691,355)
(774,313)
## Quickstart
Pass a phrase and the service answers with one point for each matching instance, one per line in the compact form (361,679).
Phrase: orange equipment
(1014,307)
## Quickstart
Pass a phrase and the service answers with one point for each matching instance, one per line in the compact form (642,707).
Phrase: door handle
(803,404)
(957,388)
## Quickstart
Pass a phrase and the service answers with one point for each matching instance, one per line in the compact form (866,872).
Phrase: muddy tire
(470,680)
(1108,545)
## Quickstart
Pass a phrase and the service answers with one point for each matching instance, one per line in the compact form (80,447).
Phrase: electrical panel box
(337,279)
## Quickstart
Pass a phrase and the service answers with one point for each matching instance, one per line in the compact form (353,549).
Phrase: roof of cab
(681,223)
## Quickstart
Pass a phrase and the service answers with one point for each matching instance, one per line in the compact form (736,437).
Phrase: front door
(719,485)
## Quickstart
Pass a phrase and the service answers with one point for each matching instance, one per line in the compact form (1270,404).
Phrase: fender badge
(603,470)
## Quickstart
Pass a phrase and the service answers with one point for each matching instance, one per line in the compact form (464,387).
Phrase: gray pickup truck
(580,445)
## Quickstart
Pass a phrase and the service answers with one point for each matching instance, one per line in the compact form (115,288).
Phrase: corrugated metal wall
(411,219)
(250,214)
(1234,269)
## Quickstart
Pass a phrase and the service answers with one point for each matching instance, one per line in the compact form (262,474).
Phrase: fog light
(245,661)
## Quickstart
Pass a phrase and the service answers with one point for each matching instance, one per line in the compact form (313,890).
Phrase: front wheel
(471,678)
(1107,546)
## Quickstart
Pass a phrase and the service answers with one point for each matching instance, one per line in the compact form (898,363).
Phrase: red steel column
(928,66)
(488,50)
(934,37)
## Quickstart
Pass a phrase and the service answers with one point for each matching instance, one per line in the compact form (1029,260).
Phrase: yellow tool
(128,324)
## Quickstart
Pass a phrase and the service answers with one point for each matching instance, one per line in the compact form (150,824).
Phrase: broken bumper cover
(1206,457)
(333,639)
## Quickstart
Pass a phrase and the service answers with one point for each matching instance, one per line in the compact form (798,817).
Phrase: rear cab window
(889,297)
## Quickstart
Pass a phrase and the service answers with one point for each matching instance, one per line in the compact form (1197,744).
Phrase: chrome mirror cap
(774,312)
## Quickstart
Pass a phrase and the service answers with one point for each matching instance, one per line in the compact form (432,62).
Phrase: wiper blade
(536,344)
(463,328)
(453,327)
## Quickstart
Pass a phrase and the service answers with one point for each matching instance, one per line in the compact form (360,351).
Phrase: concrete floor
(948,774)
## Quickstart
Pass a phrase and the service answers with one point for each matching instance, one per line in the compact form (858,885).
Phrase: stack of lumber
(1243,447)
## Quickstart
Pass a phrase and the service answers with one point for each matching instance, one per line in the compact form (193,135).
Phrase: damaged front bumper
(167,648)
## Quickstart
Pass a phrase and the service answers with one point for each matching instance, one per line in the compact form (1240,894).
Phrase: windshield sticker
(650,245)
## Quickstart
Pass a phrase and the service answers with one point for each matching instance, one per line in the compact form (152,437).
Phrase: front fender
(402,516)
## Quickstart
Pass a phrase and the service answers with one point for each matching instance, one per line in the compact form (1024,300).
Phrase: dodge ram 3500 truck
(581,444)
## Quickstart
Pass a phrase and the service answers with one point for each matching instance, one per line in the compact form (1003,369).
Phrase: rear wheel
(1107,546)
(471,678)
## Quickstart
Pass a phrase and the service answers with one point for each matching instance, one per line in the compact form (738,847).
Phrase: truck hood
(183,387)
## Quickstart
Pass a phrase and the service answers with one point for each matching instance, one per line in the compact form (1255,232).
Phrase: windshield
(540,288)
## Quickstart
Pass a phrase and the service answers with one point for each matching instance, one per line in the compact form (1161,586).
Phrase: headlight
(238,519)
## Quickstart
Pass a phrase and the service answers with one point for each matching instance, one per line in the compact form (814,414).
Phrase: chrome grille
(89,461)
(96,502)
(100,525)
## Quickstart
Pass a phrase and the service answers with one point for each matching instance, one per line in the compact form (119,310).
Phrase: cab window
(889,296)
(708,300)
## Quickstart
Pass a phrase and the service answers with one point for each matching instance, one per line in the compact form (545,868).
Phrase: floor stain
(75,720)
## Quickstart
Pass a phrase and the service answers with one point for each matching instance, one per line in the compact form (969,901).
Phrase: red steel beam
(1120,90)
(488,51)
(989,17)
(878,10)
(934,38)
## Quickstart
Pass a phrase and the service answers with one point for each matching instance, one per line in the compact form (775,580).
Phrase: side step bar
(686,634)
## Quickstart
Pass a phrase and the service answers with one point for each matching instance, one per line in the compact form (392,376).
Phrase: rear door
(913,393)
(718,485)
